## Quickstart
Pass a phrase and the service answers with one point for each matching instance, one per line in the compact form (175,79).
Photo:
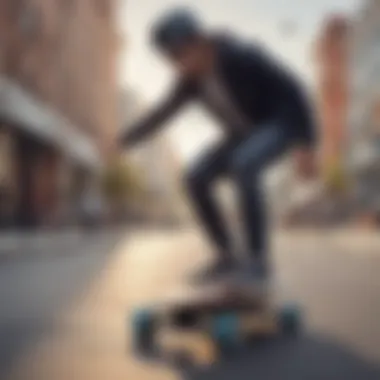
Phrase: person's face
(193,60)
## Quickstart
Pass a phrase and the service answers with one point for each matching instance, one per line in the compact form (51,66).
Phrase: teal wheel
(290,319)
(225,332)
(143,330)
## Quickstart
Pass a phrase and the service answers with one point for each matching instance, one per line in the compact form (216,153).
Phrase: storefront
(40,154)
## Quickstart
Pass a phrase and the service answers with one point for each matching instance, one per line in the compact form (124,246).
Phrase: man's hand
(306,163)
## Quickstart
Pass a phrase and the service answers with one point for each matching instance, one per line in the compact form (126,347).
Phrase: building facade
(311,203)
(364,115)
(332,65)
(58,99)
(363,155)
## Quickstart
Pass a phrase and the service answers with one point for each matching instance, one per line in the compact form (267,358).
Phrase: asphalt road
(64,316)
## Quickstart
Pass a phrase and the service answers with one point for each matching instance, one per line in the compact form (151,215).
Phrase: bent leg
(249,161)
(200,181)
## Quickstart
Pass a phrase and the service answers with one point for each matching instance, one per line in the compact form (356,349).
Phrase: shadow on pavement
(16,339)
(35,290)
(305,358)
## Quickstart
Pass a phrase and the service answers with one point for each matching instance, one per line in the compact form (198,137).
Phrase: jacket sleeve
(160,114)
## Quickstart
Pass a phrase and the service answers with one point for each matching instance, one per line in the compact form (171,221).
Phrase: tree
(122,182)
(336,178)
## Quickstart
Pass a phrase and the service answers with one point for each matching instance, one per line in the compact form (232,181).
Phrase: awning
(32,115)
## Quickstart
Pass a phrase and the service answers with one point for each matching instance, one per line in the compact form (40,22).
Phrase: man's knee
(245,169)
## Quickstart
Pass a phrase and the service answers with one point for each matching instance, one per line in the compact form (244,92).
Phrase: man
(263,112)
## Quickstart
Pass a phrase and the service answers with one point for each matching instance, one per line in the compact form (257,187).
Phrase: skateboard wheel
(290,319)
(225,332)
(143,328)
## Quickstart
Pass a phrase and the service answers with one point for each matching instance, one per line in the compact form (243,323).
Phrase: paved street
(63,316)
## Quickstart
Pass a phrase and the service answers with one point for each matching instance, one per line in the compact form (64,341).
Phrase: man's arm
(159,115)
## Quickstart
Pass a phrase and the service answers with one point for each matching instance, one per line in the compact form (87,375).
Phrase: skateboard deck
(211,320)
(188,307)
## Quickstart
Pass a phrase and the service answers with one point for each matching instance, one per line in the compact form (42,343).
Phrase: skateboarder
(264,114)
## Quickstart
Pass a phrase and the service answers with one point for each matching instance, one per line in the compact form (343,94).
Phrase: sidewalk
(16,244)
(348,239)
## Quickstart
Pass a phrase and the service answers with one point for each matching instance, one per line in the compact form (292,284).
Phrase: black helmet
(175,29)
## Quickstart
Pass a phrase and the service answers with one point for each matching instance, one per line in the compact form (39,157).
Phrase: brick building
(364,114)
(348,76)
(331,52)
(331,59)
(58,99)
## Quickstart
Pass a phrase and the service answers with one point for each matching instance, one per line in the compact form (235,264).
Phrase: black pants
(243,161)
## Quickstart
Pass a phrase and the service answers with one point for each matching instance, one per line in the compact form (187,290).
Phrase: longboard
(190,307)
(211,320)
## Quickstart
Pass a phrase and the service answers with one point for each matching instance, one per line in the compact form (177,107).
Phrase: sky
(146,72)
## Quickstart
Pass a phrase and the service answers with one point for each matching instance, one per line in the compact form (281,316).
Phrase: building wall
(364,116)
(364,112)
(66,52)
(63,53)
(332,47)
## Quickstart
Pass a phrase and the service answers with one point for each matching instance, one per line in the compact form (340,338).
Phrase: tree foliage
(122,181)
(336,178)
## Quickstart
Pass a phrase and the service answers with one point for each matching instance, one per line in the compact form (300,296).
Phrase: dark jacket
(263,91)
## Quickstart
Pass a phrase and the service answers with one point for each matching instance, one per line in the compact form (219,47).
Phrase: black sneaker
(218,270)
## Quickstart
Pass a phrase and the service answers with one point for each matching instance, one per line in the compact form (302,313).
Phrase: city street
(65,316)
